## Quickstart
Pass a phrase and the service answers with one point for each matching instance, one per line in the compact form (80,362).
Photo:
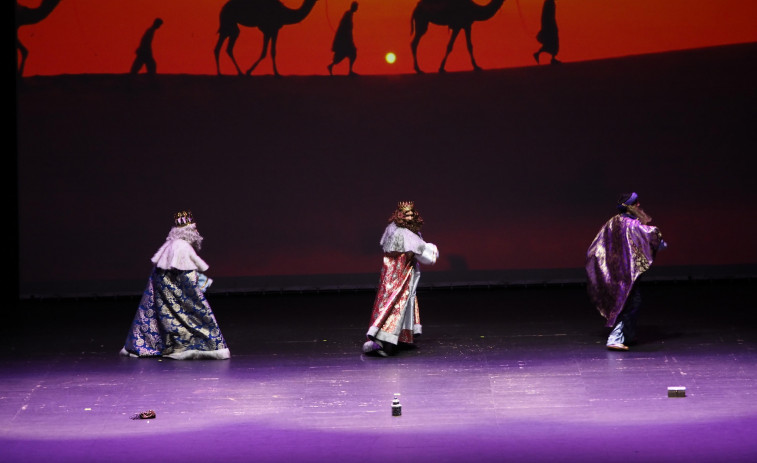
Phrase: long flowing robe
(174,319)
(396,316)
(343,45)
(548,35)
(621,252)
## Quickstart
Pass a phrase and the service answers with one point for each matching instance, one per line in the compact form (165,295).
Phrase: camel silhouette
(457,15)
(26,16)
(267,15)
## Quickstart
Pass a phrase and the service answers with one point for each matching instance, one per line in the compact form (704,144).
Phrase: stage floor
(499,375)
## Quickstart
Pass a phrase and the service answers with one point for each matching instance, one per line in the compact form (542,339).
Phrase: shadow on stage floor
(501,374)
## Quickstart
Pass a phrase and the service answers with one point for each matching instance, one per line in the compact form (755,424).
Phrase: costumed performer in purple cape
(395,318)
(621,252)
(174,318)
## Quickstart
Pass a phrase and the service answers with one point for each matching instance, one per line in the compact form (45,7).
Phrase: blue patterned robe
(174,318)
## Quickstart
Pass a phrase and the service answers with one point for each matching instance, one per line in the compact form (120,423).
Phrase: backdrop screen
(292,178)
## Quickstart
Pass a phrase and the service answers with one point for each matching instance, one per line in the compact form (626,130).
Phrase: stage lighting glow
(390,58)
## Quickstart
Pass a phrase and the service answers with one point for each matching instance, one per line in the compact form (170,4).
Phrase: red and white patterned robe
(395,317)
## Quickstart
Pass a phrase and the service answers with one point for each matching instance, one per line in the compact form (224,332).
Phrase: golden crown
(183,218)
(405,206)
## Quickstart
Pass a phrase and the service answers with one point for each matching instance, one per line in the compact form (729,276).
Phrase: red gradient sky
(96,36)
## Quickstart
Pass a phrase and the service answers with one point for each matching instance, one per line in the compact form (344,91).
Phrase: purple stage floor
(499,375)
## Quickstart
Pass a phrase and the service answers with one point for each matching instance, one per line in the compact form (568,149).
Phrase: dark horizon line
(409,73)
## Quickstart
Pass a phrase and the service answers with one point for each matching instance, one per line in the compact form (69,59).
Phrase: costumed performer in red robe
(395,318)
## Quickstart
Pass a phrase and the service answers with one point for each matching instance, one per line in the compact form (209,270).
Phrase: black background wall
(292,179)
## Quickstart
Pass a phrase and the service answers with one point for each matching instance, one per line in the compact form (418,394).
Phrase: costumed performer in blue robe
(174,318)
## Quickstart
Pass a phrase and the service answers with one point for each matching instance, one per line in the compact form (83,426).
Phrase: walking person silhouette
(344,44)
(144,51)
(548,36)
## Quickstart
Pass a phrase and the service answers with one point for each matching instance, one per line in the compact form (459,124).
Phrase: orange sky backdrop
(96,36)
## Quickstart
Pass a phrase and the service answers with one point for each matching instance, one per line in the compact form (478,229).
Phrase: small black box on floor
(678,391)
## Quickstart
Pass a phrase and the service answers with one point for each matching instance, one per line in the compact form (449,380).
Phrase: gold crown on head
(183,218)
(405,206)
